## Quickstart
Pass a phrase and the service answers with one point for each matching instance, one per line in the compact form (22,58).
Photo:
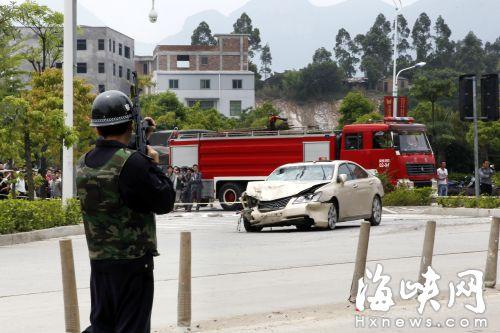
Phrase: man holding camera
(120,190)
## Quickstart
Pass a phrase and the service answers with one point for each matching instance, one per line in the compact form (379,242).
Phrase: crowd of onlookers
(13,184)
(485,172)
(188,185)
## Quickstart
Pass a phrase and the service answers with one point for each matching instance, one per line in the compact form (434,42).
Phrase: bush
(24,215)
(409,197)
(470,202)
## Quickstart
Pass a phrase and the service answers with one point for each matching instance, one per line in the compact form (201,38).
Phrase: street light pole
(68,71)
(395,92)
(394,60)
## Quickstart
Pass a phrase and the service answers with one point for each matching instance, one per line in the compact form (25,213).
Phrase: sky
(131,16)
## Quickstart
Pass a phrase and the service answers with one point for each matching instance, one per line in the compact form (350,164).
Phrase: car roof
(318,163)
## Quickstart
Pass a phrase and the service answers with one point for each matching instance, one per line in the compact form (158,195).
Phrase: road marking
(389,211)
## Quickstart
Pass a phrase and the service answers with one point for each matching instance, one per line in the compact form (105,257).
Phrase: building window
(110,45)
(59,65)
(102,88)
(204,84)
(235,108)
(354,141)
(183,61)
(145,69)
(128,74)
(127,52)
(120,49)
(237,84)
(81,67)
(204,61)
(114,47)
(114,69)
(120,71)
(100,44)
(204,105)
(173,84)
(81,44)
(100,67)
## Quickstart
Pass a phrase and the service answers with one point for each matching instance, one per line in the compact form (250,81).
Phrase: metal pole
(428,250)
(490,273)
(184,293)
(361,254)
(71,311)
(476,140)
(394,60)
(68,70)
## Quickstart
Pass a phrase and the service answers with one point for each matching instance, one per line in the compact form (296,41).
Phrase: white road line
(389,211)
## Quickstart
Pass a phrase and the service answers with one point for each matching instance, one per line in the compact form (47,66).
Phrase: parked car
(319,194)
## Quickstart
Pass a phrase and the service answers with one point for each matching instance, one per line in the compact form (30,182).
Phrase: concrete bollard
(428,250)
(490,273)
(184,296)
(71,311)
(361,254)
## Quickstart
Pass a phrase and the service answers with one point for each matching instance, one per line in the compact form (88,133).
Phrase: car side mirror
(342,178)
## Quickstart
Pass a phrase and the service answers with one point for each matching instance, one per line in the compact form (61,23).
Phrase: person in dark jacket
(120,191)
(196,186)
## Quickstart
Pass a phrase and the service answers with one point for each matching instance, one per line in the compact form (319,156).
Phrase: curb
(39,235)
(460,211)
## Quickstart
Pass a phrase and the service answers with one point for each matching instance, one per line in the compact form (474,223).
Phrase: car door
(345,192)
(363,185)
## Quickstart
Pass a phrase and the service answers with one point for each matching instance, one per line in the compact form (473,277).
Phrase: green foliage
(322,55)
(202,35)
(258,118)
(244,26)
(23,215)
(421,35)
(470,57)
(266,61)
(345,52)
(409,197)
(354,106)
(371,117)
(165,108)
(489,138)
(469,202)
(386,182)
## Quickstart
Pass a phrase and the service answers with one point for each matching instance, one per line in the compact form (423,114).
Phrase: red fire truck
(229,160)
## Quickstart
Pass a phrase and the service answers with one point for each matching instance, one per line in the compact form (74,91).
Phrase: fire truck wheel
(249,228)
(333,217)
(229,196)
(376,211)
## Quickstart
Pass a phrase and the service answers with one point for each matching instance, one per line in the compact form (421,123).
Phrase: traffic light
(466,98)
(489,96)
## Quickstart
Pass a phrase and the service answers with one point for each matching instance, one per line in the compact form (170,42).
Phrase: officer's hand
(154,155)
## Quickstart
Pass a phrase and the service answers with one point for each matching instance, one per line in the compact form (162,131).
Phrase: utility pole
(476,139)
(394,62)
(68,72)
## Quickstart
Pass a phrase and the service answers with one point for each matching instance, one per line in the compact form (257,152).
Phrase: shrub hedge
(470,202)
(24,215)
(409,197)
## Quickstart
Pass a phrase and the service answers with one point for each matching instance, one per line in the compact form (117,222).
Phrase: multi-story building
(214,76)
(104,57)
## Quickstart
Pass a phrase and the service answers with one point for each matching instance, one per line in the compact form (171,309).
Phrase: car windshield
(302,173)
(413,142)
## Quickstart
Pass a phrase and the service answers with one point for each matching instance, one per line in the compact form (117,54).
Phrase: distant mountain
(296,28)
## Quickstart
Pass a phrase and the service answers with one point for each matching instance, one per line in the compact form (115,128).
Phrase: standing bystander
(486,178)
(442,174)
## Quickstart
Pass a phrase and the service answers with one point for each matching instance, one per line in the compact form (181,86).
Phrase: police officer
(120,191)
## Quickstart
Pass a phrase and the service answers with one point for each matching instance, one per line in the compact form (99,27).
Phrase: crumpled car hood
(273,190)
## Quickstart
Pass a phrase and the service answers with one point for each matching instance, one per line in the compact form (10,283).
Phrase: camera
(153,16)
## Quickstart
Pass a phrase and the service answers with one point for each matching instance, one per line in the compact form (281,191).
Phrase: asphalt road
(237,273)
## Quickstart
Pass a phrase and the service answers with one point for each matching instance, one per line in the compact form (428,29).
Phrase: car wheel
(229,196)
(376,217)
(332,217)
(249,227)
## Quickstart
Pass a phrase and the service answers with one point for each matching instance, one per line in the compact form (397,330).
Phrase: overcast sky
(130,16)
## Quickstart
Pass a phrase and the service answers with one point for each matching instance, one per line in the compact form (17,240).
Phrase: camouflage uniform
(113,230)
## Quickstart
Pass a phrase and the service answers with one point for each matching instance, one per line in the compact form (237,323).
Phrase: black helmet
(111,108)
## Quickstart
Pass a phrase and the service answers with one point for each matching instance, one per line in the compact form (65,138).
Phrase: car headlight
(311,197)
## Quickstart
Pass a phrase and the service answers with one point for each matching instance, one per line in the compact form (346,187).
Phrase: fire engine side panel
(250,156)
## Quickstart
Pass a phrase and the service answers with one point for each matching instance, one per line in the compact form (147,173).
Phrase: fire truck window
(353,141)
(357,171)
(343,169)
(382,140)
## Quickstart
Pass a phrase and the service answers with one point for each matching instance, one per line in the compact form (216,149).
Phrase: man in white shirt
(442,174)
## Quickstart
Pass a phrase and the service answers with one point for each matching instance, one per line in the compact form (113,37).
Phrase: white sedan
(319,194)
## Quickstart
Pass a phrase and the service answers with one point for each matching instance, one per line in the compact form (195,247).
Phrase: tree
(433,85)
(377,50)
(266,61)
(492,56)
(35,121)
(10,55)
(47,26)
(244,26)
(421,35)
(165,108)
(489,138)
(404,59)
(369,118)
(319,81)
(354,106)
(202,35)
(322,55)
(470,56)
(345,50)
(444,47)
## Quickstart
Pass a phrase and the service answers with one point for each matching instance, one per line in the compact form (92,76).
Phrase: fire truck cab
(229,160)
